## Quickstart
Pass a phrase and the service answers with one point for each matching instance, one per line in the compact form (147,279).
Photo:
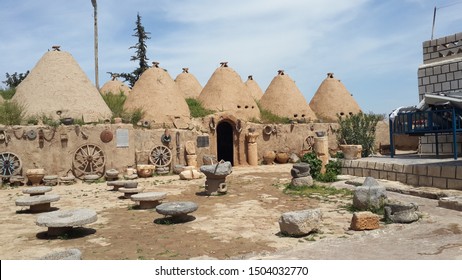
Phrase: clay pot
(145,170)
(282,157)
(35,175)
(351,151)
(269,157)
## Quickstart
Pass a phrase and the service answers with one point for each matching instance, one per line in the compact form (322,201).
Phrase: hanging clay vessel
(106,136)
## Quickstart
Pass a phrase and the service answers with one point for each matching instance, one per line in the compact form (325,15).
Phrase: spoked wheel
(88,160)
(10,164)
(160,156)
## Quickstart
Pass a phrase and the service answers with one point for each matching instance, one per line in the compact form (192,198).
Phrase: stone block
(388,167)
(366,172)
(441,78)
(429,88)
(344,171)
(440,183)
(346,163)
(398,167)
(446,86)
(434,170)
(391,176)
(433,79)
(453,67)
(370,164)
(445,68)
(454,85)
(383,175)
(300,223)
(441,41)
(358,172)
(369,197)
(364,221)
(448,171)
(425,181)
(362,164)
(454,184)
(408,169)
(354,163)
(449,77)
(412,180)
(425,81)
(447,148)
(459,172)
(420,170)
(400,177)
(421,72)
(375,173)
(437,87)
(429,71)
(458,75)
(302,181)
(436,70)
(379,166)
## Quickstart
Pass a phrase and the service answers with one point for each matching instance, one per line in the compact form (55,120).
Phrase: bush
(7,94)
(358,129)
(196,108)
(11,113)
(115,102)
(333,168)
(267,116)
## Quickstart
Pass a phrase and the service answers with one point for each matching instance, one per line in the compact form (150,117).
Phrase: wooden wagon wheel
(10,164)
(88,160)
(160,156)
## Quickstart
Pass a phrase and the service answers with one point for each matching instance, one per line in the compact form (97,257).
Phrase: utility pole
(95,16)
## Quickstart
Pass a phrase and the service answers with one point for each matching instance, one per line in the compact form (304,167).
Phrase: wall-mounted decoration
(106,136)
(203,141)
(122,138)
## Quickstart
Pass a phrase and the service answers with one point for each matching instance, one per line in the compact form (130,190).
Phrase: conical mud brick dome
(115,86)
(225,92)
(188,84)
(158,96)
(253,88)
(57,87)
(283,98)
(333,98)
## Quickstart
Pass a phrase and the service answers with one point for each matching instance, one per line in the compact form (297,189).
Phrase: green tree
(12,81)
(140,54)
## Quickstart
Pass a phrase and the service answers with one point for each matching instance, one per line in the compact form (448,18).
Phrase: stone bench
(122,184)
(38,203)
(128,192)
(40,190)
(148,200)
(59,222)
(177,210)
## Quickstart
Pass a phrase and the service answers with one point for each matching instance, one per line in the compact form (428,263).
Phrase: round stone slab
(67,218)
(36,199)
(37,190)
(177,208)
(149,199)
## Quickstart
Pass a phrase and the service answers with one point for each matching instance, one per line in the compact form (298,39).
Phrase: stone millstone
(364,221)
(401,213)
(37,199)
(176,208)
(149,196)
(69,254)
(219,170)
(37,190)
(67,218)
(301,169)
(300,223)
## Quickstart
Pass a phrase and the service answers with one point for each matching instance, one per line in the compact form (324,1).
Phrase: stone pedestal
(191,160)
(216,177)
(252,151)
(351,151)
(321,146)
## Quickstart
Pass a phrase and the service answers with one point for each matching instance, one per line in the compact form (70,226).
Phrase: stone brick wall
(441,70)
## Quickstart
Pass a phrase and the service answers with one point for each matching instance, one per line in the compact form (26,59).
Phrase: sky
(374,47)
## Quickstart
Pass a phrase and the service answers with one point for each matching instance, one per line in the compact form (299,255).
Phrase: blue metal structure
(419,123)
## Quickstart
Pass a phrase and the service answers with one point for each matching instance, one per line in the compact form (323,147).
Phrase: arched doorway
(225,145)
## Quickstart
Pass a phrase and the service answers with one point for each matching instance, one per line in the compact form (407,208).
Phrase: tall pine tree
(140,54)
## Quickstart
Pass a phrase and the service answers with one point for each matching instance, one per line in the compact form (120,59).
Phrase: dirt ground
(241,224)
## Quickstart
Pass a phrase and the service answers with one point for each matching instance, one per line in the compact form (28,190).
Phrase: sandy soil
(239,225)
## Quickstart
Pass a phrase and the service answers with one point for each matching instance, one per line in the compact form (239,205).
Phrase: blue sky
(374,47)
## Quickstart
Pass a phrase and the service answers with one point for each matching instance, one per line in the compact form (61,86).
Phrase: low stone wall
(418,175)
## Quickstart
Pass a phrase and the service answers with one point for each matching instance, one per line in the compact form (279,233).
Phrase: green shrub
(267,116)
(333,168)
(11,113)
(7,94)
(115,102)
(134,116)
(196,108)
(358,129)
